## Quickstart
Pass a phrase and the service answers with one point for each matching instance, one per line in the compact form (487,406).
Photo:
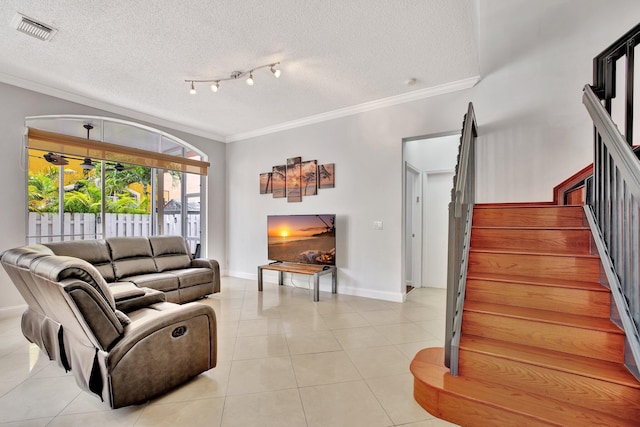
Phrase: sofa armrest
(158,318)
(125,290)
(212,264)
(129,297)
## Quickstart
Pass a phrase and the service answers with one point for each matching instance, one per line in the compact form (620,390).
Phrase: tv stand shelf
(311,269)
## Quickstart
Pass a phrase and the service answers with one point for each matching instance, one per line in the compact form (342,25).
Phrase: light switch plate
(377,225)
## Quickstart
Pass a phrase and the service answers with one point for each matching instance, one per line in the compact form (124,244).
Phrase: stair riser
(576,242)
(563,386)
(564,300)
(529,217)
(583,269)
(567,339)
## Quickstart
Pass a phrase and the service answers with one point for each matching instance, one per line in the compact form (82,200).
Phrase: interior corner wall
(535,59)
(19,103)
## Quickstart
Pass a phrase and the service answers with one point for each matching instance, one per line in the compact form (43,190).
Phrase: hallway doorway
(429,164)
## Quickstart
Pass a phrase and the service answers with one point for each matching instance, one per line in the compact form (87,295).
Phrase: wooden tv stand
(311,269)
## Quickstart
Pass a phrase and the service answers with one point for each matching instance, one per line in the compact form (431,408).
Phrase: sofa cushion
(95,252)
(193,276)
(159,281)
(131,256)
(170,252)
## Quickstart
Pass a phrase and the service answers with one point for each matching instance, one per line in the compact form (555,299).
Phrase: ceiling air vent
(33,28)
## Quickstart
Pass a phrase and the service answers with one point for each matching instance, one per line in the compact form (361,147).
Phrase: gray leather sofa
(125,351)
(162,263)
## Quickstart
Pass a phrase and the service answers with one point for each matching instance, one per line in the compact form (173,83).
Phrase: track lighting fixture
(215,83)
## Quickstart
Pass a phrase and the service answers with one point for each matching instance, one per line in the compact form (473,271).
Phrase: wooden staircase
(537,347)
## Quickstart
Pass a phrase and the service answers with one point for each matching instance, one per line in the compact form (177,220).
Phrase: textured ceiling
(335,54)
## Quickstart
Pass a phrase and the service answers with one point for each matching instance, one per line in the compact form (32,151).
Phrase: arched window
(96,177)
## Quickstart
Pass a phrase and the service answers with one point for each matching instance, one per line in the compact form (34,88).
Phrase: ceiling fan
(119,167)
(88,164)
(56,159)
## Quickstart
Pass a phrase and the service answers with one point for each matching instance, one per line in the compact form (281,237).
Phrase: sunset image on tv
(306,239)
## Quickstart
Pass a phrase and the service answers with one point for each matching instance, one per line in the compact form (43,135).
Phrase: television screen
(309,239)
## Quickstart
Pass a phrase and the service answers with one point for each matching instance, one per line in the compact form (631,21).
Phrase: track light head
(276,72)
(250,79)
(215,86)
(192,91)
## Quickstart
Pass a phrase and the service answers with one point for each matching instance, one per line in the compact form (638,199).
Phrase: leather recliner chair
(122,358)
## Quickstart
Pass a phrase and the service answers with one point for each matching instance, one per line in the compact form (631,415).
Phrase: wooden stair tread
(556,240)
(544,316)
(514,252)
(528,215)
(527,280)
(528,227)
(579,365)
(516,205)
(538,409)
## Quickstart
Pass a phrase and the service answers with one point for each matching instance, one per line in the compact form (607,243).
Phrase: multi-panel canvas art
(297,179)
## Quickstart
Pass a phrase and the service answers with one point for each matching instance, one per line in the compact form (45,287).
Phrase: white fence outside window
(45,227)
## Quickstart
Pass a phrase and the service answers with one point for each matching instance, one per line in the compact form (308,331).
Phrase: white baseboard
(325,286)
(372,293)
(243,275)
(12,311)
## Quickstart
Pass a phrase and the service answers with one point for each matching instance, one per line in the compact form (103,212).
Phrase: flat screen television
(308,239)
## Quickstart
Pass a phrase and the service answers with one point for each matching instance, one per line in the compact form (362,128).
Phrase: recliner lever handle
(179,331)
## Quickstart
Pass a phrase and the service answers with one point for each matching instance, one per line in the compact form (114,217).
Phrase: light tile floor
(283,360)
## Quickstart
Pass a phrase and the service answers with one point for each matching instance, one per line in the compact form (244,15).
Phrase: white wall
(534,132)
(367,152)
(18,103)
(535,58)
(433,153)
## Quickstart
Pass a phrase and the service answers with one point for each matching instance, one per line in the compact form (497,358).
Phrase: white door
(413,226)
(437,196)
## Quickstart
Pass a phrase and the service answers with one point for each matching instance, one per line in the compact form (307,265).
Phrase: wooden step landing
(472,402)
(582,381)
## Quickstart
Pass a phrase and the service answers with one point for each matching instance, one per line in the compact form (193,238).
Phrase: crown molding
(90,102)
(360,108)
(305,121)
